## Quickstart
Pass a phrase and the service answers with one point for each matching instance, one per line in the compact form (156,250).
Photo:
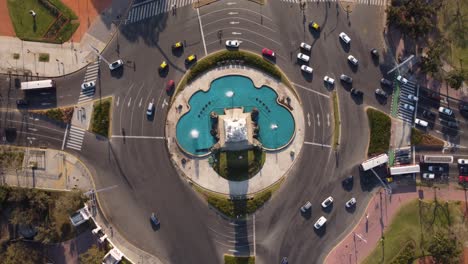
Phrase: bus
(407,169)
(443,159)
(374,162)
(42,84)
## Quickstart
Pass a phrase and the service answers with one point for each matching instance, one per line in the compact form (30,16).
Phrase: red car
(462,179)
(170,86)
(268,52)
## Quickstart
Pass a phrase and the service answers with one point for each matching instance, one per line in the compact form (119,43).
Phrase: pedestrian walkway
(91,75)
(75,138)
(362,2)
(406,114)
(151,8)
(380,211)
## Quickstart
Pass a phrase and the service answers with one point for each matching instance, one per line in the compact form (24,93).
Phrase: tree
(20,253)
(455,79)
(93,256)
(431,63)
(444,249)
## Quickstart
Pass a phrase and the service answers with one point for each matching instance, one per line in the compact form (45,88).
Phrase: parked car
(350,203)
(306,46)
(386,82)
(462,179)
(306,207)
(303,57)
(463,107)
(327,202)
(22,102)
(353,60)
(412,97)
(402,79)
(232,43)
(346,79)
(446,111)
(356,92)
(421,122)
(268,52)
(408,107)
(320,222)
(88,85)
(452,124)
(428,176)
(435,168)
(307,69)
(345,38)
(462,161)
(374,53)
(428,114)
(329,80)
(381,92)
(116,64)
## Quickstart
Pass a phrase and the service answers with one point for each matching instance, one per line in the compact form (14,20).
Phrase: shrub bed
(238,260)
(380,125)
(242,207)
(336,116)
(101,117)
(419,138)
(64,114)
(44,57)
(229,166)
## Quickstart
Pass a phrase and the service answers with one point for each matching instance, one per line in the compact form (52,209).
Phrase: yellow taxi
(314,26)
(163,66)
(177,45)
(191,58)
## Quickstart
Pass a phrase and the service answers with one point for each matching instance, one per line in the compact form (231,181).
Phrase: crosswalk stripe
(76,148)
(77,128)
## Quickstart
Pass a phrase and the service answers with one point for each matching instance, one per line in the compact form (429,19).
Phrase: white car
(150,109)
(353,60)
(350,203)
(408,107)
(320,222)
(327,202)
(445,111)
(116,64)
(462,161)
(345,38)
(429,176)
(421,122)
(303,57)
(306,207)
(307,69)
(412,97)
(88,85)
(232,43)
(329,80)
(402,79)
(306,46)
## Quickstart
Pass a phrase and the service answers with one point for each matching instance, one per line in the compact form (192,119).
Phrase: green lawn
(100,120)
(231,167)
(411,227)
(380,125)
(452,22)
(23,22)
(336,116)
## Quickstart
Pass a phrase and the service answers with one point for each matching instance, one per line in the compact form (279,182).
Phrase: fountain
(229,94)
(274,126)
(194,133)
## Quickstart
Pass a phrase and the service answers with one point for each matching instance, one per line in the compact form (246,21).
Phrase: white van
(421,122)
(462,161)
(149,111)
(428,176)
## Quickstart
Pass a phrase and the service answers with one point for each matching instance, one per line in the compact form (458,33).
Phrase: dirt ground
(87,11)
(7,27)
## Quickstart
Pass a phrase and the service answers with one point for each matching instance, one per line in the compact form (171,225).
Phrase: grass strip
(100,120)
(418,138)
(337,121)
(44,57)
(228,259)
(380,125)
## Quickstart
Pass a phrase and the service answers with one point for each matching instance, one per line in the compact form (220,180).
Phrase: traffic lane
(162,191)
(317,109)
(68,88)
(233,236)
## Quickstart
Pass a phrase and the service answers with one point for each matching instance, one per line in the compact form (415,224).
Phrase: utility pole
(96,51)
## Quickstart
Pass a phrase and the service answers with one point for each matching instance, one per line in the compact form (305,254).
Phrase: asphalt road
(135,162)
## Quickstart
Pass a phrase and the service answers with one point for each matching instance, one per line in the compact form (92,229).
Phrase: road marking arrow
(33,129)
(233,13)
(318,119)
(164,103)
(231,3)
(141,100)
(328,119)
(308,119)
(234,22)
(236,33)
(118,100)
(129,102)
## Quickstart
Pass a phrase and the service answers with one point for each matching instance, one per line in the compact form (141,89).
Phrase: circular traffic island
(236,126)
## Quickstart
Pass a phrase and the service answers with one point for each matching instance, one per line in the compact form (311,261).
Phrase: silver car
(327,202)
(320,222)
(88,85)
(303,57)
(345,38)
(350,203)
(232,43)
(116,64)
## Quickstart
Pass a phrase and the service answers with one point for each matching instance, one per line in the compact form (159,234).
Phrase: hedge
(380,125)
(234,208)
(238,260)
(419,138)
(100,120)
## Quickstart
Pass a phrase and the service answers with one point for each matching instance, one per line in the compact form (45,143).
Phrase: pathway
(7,27)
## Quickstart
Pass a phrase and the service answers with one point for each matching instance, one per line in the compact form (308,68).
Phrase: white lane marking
(230,3)
(310,90)
(234,22)
(32,129)
(137,137)
(118,100)
(201,30)
(64,137)
(233,8)
(318,119)
(236,33)
(328,119)
(254,247)
(164,103)
(129,102)
(317,144)
(308,119)
(233,13)
(141,100)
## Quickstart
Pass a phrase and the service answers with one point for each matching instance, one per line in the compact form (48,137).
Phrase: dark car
(348,180)
(381,93)
(22,102)
(434,96)
(170,86)
(154,219)
(386,82)
(463,170)
(346,79)
(374,53)
(428,114)
(356,92)
(463,107)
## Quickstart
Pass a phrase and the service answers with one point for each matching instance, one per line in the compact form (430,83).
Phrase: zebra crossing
(362,2)
(150,8)
(405,90)
(92,73)
(75,138)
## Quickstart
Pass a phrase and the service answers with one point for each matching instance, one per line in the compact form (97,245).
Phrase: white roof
(398,170)
(374,162)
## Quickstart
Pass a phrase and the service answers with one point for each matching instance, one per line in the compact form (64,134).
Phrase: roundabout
(231,111)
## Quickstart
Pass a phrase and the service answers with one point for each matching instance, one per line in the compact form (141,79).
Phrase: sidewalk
(69,56)
(377,218)
(57,170)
